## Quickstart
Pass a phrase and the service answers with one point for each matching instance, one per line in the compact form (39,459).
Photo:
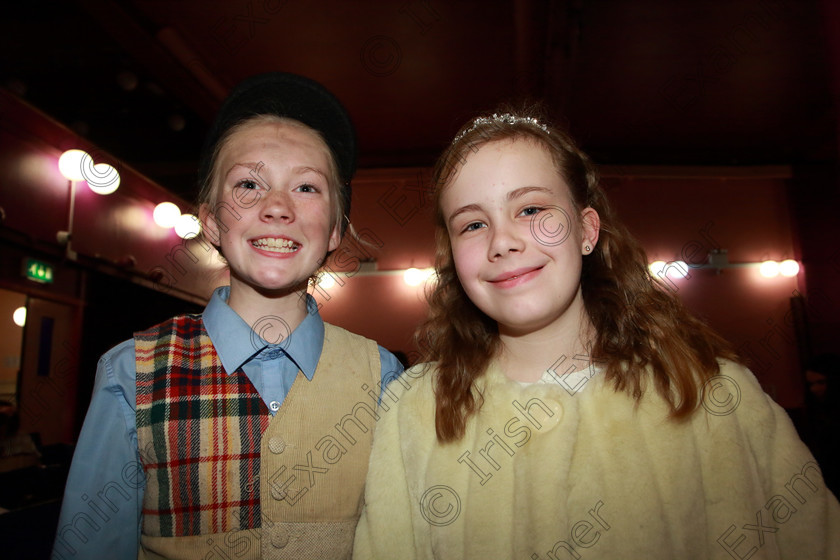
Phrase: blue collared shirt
(103,499)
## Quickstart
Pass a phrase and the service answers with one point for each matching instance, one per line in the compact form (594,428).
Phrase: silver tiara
(504,118)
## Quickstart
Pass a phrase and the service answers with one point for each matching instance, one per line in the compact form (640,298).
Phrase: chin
(523,325)
(279,290)
(275,284)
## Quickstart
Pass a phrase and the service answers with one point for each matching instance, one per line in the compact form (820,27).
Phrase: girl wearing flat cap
(243,432)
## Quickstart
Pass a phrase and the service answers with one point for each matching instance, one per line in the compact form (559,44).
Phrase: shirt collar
(236,343)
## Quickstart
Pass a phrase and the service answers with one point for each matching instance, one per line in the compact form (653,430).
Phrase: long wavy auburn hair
(641,330)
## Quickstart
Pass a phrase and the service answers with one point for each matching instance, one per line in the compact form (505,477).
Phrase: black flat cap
(291,96)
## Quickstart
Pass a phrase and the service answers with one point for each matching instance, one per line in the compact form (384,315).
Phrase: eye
(308,188)
(531,211)
(474,226)
(248,184)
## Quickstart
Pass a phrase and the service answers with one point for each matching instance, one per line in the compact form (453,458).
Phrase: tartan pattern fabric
(199,431)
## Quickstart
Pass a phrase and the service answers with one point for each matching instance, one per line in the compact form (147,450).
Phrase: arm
(100,514)
(796,502)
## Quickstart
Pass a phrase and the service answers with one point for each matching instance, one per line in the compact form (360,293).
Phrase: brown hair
(638,325)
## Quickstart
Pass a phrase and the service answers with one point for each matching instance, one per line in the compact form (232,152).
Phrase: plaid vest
(218,465)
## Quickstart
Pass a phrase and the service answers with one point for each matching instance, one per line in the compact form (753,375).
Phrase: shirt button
(279,537)
(274,406)
(276,445)
(278,494)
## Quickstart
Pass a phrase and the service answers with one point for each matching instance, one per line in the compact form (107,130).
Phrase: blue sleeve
(100,514)
(391,368)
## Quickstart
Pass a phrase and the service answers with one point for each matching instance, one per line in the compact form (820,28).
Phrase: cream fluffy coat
(553,472)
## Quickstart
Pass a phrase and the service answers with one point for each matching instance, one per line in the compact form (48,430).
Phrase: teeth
(274,244)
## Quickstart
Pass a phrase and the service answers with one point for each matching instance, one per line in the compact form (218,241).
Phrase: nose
(505,238)
(276,205)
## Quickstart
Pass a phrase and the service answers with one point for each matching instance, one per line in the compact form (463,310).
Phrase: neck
(272,314)
(561,346)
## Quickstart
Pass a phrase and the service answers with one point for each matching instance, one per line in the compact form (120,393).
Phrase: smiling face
(272,218)
(517,239)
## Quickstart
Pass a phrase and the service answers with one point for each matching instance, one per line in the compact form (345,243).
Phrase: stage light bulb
(70,164)
(19,316)
(769,269)
(789,268)
(326,281)
(104,180)
(416,276)
(656,268)
(166,214)
(187,226)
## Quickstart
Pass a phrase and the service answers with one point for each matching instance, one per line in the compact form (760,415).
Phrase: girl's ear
(335,237)
(590,223)
(209,226)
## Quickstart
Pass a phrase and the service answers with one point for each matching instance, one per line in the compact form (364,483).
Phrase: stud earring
(587,249)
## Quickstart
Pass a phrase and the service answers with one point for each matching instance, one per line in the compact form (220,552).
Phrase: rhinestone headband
(504,118)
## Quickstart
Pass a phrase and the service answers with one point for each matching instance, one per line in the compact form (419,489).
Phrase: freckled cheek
(466,263)
(316,211)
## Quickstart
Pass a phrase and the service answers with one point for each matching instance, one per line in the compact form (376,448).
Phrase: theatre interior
(714,125)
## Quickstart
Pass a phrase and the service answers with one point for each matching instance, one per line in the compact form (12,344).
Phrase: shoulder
(737,371)
(120,351)
(734,405)
(175,334)
(178,324)
(407,409)
(116,368)
(413,390)
(336,332)
(732,388)
(389,363)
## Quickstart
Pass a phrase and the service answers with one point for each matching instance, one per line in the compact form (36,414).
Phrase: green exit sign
(39,271)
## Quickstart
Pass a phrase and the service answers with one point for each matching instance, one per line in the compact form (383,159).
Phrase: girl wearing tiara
(571,408)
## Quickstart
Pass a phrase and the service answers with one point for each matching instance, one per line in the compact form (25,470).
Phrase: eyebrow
(512,195)
(305,168)
(249,165)
(462,210)
(254,168)
(518,193)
